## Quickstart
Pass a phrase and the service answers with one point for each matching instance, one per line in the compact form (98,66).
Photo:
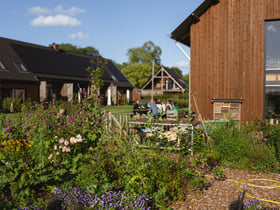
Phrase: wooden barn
(165,80)
(29,71)
(235,58)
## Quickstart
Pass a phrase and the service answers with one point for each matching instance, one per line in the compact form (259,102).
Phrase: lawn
(121,109)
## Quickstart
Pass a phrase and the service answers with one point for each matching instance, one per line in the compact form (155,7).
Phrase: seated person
(149,105)
(136,108)
(154,109)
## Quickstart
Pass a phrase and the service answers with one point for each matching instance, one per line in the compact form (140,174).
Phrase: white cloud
(79,35)
(58,10)
(57,20)
(39,10)
(71,12)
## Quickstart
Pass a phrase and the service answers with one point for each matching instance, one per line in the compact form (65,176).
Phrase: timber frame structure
(165,80)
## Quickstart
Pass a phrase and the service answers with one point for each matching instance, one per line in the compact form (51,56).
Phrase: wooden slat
(227,51)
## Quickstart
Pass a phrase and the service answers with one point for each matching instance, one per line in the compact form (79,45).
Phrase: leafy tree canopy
(145,54)
(139,73)
(83,50)
(186,79)
(179,71)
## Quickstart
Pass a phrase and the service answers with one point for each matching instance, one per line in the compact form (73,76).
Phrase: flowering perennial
(78,199)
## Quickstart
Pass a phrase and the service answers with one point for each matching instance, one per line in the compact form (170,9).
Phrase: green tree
(179,71)
(145,54)
(186,79)
(139,67)
(139,73)
(83,50)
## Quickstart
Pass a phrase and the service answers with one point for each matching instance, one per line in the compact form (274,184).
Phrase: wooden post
(110,120)
(119,125)
(199,116)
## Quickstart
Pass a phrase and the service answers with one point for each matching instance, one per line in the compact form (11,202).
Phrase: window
(113,77)
(14,93)
(2,67)
(272,69)
(20,67)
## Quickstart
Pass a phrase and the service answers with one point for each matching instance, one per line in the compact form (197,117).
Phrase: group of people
(159,107)
(156,107)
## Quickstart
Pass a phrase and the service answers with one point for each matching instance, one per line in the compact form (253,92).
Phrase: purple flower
(8,129)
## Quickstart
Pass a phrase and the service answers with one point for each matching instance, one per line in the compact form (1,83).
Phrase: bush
(181,103)
(41,148)
(238,147)
(120,165)
(16,104)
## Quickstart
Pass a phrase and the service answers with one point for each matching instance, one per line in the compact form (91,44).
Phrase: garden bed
(221,193)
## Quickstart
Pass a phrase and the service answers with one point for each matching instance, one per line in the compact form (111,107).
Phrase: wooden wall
(32,90)
(227,55)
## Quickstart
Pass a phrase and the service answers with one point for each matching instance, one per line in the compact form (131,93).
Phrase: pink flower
(61,141)
(57,153)
(55,147)
(66,143)
(64,149)
(73,140)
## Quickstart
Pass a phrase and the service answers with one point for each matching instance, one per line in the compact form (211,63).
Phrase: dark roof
(8,58)
(177,77)
(44,62)
(182,32)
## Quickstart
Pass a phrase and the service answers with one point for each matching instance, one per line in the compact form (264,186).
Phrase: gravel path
(221,193)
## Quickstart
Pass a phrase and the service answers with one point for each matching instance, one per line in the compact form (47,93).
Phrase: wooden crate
(174,115)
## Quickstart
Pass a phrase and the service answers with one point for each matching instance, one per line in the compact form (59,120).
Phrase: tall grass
(246,147)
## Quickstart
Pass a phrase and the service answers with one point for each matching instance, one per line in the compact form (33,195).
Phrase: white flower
(55,147)
(73,140)
(57,153)
(61,141)
(79,138)
(66,143)
(50,157)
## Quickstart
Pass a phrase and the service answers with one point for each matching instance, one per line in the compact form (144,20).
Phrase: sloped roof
(172,73)
(44,62)
(177,77)
(182,32)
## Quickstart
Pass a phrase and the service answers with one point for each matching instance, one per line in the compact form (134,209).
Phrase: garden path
(221,193)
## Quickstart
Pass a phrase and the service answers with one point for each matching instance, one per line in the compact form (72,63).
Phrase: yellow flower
(5,142)
(30,145)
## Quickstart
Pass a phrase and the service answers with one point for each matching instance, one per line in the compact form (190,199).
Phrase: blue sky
(111,26)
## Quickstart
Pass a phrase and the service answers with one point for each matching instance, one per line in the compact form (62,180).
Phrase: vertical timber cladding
(227,55)
(224,109)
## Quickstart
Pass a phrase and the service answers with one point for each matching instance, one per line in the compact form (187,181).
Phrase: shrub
(121,165)
(40,148)
(238,147)
(16,104)
(181,103)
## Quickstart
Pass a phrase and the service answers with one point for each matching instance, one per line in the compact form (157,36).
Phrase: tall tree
(145,54)
(179,71)
(83,50)
(138,73)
